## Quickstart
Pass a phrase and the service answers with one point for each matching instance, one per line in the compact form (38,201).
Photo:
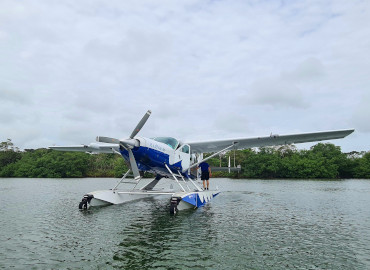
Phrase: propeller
(129,143)
(141,124)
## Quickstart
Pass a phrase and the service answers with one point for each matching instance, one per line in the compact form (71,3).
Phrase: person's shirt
(204,166)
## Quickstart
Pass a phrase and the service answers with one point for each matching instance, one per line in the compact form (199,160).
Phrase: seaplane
(167,157)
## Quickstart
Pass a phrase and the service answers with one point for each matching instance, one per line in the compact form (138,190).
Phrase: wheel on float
(82,205)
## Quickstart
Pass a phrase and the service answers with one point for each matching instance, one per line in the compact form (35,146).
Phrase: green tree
(321,161)
(8,146)
(120,167)
(362,170)
(8,156)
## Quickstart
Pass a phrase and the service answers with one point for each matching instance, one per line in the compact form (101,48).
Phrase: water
(252,224)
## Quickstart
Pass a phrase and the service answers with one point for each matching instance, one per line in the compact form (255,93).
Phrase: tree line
(321,161)
(46,163)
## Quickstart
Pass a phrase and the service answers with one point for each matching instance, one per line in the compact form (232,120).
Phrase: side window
(185,149)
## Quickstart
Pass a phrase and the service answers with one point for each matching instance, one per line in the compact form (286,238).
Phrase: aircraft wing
(245,143)
(92,148)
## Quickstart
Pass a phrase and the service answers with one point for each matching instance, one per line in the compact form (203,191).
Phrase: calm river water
(252,224)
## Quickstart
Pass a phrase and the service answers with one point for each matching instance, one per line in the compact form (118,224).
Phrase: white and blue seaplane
(166,157)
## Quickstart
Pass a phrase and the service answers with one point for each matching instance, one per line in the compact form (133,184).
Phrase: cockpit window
(172,142)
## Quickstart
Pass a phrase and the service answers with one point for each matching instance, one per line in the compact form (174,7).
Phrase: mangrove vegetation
(321,161)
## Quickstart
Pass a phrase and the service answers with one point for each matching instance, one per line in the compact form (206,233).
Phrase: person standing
(206,173)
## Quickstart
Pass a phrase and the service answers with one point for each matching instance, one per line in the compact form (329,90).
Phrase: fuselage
(153,153)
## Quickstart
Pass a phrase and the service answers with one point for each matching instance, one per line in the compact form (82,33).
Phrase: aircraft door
(184,154)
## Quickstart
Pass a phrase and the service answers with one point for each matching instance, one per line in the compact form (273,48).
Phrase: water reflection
(157,239)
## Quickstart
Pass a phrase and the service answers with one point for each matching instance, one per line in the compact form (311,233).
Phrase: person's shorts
(205,176)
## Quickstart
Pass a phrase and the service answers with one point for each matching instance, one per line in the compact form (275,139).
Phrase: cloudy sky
(71,70)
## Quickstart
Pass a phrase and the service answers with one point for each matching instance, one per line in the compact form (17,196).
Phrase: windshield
(167,140)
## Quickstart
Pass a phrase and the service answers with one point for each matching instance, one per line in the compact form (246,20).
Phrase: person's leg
(204,184)
(207,184)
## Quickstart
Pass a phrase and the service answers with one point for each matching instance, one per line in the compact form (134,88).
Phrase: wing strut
(211,156)
(174,177)
(123,177)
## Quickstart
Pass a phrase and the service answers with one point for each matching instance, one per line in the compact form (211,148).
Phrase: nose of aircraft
(129,143)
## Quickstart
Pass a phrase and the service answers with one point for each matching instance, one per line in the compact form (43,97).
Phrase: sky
(72,70)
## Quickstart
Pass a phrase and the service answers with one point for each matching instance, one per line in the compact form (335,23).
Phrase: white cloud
(73,70)
(361,114)
(309,70)
(12,96)
(275,92)
(285,90)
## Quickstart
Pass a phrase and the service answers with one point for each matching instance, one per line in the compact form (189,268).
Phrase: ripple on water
(252,225)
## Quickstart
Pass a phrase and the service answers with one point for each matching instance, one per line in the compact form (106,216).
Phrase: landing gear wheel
(85,200)
(82,205)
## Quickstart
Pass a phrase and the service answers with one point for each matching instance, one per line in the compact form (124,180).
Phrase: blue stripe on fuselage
(151,160)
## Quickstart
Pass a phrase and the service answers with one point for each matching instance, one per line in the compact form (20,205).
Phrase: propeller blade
(107,140)
(133,165)
(141,124)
